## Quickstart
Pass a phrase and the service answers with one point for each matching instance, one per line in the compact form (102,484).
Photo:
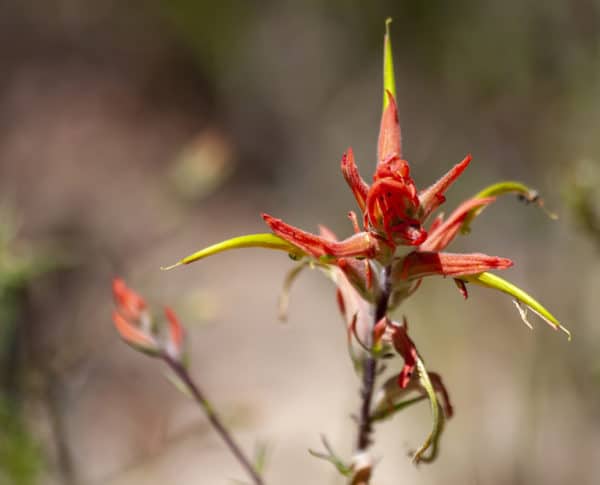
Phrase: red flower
(133,321)
(371,267)
(394,213)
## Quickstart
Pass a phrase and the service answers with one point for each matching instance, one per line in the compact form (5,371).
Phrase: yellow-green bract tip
(431,443)
(389,83)
(269,241)
(526,193)
(493,281)
(167,268)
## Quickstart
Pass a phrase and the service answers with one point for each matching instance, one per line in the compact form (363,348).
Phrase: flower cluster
(394,246)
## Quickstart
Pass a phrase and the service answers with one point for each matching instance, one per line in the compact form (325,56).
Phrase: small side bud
(134,336)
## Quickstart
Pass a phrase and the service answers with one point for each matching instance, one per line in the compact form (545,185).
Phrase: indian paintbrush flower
(393,247)
(134,323)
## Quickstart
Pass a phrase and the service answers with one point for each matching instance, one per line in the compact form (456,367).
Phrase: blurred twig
(182,373)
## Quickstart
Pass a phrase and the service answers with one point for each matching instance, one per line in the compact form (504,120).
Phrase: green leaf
(528,194)
(389,83)
(261,452)
(505,187)
(330,456)
(389,411)
(269,241)
(431,443)
(493,281)
(284,296)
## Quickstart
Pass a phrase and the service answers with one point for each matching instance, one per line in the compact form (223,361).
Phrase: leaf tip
(168,268)
(388,22)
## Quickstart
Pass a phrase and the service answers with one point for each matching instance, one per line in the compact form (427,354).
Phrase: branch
(179,369)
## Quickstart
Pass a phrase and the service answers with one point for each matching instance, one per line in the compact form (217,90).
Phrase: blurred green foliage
(20,264)
(582,193)
(20,456)
(211,30)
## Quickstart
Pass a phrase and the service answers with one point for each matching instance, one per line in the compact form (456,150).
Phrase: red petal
(130,333)
(390,139)
(444,233)
(358,186)
(361,244)
(432,197)
(340,301)
(129,302)
(392,205)
(437,222)
(175,329)
(406,348)
(419,264)
(327,233)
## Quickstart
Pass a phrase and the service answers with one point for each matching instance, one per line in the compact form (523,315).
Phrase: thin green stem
(213,418)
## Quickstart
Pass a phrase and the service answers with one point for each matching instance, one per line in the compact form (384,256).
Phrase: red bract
(129,303)
(133,321)
(393,215)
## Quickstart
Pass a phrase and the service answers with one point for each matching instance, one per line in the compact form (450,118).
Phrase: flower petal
(361,244)
(495,282)
(133,335)
(268,241)
(175,333)
(419,264)
(444,233)
(432,197)
(404,345)
(358,186)
(390,139)
(128,301)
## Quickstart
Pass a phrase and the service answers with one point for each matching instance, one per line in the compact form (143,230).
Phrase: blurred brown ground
(131,136)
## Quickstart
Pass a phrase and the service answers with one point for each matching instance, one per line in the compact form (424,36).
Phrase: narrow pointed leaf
(501,188)
(433,196)
(505,187)
(389,411)
(493,281)
(332,458)
(178,383)
(261,453)
(284,296)
(269,241)
(389,83)
(431,443)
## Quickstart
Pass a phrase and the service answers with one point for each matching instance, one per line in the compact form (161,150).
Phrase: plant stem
(213,418)
(370,369)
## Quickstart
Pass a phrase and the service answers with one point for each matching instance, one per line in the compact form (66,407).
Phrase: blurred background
(133,133)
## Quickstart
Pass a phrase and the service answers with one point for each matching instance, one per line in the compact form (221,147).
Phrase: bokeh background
(132,133)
